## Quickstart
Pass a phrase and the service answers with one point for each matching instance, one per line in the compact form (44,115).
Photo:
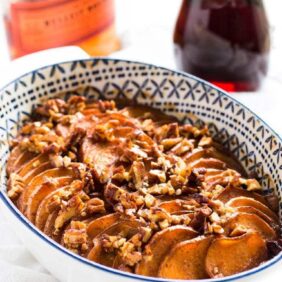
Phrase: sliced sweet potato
(195,155)
(252,210)
(214,153)
(49,228)
(120,265)
(245,201)
(174,206)
(92,105)
(126,228)
(33,164)
(99,255)
(186,260)
(159,246)
(101,156)
(43,210)
(223,178)
(221,174)
(232,192)
(209,163)
(14,157)
(33,173)
(210,172)
(218,152)
(39,180)
(142,112)
(40,193)
(123,120)
(17,159)
(100,224)
(24,159)
(92,112)
(228,256)
(250,222)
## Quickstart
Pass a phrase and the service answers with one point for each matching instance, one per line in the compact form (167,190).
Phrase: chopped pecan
(199,220)
(150,200)
(76,104)
(188,130)
(59,161)
(53,106)
(164,224)
(159,174)
(63,195)
(182,147)
(170,142)
(162,189)
(75,238)
(205,141)
(177,181)
(42,142)
(130,252)
(15,186)
(76,137)
(166,131)
(106,105)
(146,234)
(138,173)
(109,243)
(134,153)
(251,184)
(73,207)
(238,230)
(112,193)
(95,205)
(102,133)
(217,228)
(197,176)
(120,174)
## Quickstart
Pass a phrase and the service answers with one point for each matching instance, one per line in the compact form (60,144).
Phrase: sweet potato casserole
(133,189)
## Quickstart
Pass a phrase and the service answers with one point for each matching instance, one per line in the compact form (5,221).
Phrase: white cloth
(16,263)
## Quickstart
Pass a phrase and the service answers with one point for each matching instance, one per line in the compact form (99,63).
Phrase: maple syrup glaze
(224,42)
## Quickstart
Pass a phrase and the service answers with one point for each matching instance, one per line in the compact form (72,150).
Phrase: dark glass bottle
(223,41)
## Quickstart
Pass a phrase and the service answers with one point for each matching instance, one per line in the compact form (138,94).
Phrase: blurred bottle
(33,25)
(223,41)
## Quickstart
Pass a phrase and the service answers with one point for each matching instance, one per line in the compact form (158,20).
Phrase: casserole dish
(186,97)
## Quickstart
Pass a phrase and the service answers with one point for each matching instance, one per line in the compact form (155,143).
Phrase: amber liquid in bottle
(34,25)
(223,41)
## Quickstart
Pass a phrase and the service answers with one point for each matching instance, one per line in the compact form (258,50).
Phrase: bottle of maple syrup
(223,41)
(33,25)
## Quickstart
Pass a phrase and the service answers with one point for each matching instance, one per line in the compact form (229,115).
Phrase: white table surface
(146,27)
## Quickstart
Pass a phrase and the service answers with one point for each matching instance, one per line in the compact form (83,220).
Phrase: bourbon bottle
(33,25)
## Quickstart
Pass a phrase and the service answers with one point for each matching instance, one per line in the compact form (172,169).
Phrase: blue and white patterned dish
(188,98)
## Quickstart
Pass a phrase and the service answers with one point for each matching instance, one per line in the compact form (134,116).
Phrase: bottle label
(51,23)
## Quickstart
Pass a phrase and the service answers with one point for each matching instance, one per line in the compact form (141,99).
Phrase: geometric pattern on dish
(182,95)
